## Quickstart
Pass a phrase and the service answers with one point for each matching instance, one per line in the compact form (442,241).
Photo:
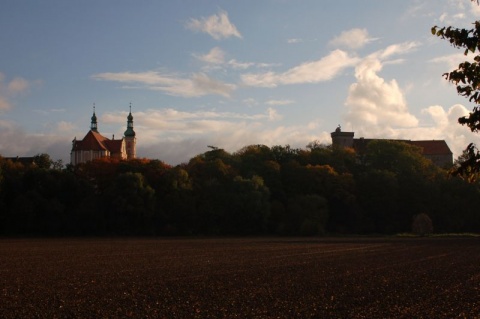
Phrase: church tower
(93,125)
(130,138)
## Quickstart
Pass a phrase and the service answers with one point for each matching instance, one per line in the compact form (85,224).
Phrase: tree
(398,157)
(43,161)
(130,202)
(306,215)
(464,167)
(467,79)
(422,225)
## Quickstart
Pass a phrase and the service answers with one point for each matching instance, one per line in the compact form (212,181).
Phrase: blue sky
(227,73)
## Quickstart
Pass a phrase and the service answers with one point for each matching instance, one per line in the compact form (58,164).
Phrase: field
(240,278)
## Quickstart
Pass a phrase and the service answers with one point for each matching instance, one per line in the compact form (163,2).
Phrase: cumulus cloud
(352,39)
(198,84)
(376,104)
(377,108)
(218,26)
(446,127)
(309,72)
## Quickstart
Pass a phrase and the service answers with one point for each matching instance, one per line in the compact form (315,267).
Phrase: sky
(227,74)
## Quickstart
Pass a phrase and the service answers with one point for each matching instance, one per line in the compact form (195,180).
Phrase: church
(94,145)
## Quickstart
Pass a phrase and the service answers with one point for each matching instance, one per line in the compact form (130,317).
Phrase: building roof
(95,141)
(433,147)
(429,147)
(114,146)
(92,141)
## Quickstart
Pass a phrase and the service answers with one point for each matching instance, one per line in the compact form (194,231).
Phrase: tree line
(257,190)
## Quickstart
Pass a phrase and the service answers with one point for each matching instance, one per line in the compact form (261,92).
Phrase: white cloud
(217,25)
(64,126)
(15,141)
(199,84)
(416,9)
(215,59)
(457,11)
(215,56)
(4,104)
(309,72)
(241,65)
(395,49)
(475,8)
(279,102)
(443,17)
(177,149)
(294,40)
(452,60)
(374,103)
(273,114)
(9,90)
(445,126)
(250,102)
(17,85)
(377,108)
(170,118)
(175,136)
(352,39)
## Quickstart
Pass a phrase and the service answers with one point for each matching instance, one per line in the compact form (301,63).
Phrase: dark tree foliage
(258,190)
(467,80)
(43,161)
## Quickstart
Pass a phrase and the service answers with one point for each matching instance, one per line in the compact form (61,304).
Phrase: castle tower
(130,138)
(342,139)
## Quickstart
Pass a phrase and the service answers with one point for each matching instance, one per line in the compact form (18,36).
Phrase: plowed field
(240,278)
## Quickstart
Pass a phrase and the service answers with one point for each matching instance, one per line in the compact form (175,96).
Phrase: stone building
(435,150)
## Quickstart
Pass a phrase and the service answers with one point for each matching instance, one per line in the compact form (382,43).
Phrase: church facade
(94,145)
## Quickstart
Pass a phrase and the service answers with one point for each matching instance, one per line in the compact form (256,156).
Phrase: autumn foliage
(257,190)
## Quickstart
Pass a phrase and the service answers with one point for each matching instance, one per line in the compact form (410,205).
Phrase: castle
(94,145)
(435,150)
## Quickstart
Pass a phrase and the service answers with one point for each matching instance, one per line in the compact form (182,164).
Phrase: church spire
(130,139)
(130,132)
(93,125)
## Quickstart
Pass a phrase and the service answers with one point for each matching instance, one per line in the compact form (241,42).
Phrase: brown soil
(240,278)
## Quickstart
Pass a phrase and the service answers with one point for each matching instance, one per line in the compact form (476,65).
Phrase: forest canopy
(258,190)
